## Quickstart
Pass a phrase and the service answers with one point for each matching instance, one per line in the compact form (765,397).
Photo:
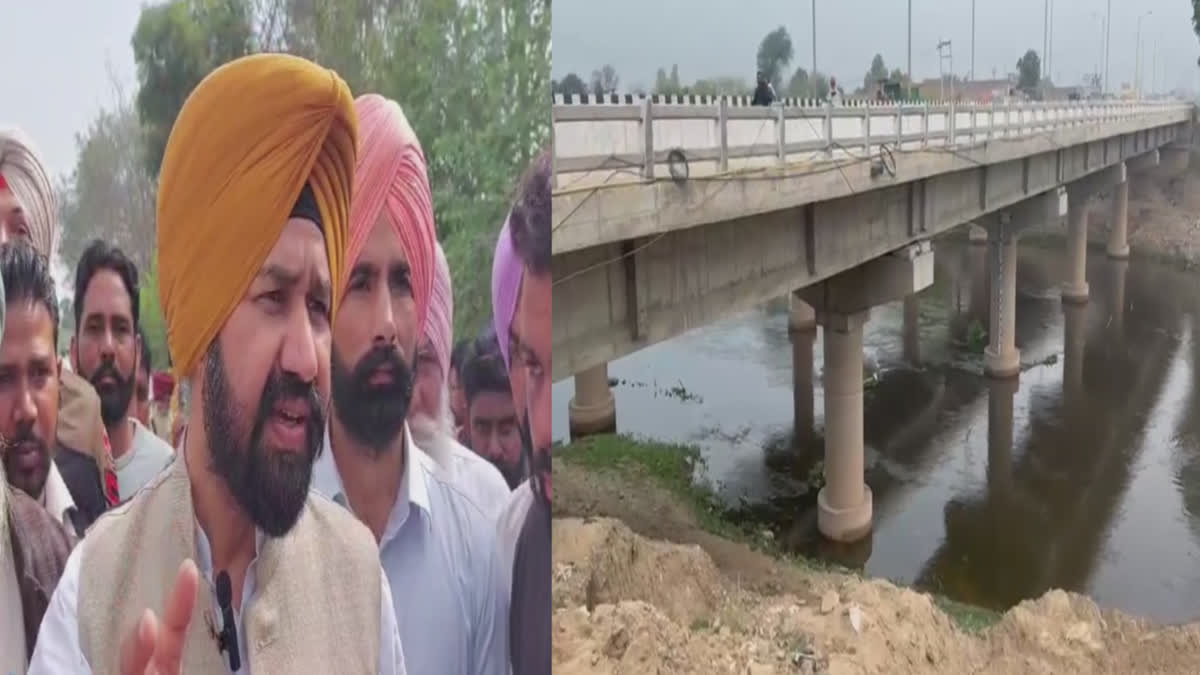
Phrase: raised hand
(156,647)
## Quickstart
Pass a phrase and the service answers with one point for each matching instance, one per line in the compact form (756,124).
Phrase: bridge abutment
(593,409)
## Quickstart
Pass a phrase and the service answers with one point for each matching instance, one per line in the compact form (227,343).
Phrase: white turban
(22,169)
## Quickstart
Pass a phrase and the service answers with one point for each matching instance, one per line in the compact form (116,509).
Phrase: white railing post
(780,134)
(723,132)
(925,125)
(647,139)
(866,127)
(827,129)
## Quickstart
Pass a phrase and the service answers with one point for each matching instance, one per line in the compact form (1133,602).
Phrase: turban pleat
(439,327)
(506,286)
(245,143)
(391,179)
(23,171)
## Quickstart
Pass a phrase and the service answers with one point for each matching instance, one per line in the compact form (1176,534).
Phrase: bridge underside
(616,298)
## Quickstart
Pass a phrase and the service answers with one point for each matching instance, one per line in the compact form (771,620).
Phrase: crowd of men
(324,483)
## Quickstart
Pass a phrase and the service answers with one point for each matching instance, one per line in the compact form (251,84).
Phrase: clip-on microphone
(227,639)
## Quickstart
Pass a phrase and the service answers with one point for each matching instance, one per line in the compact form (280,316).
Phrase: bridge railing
(632,138)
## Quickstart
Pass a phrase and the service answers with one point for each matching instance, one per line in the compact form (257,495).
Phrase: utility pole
(1045,34)
(814,37)
(972,40)
(1107,38)
(1050,46)
(910,77)
(945,51)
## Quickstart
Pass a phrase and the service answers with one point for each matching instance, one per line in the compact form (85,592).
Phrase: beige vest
(317,589)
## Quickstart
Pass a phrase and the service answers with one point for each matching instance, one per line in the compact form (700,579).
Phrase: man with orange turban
(436,544)
(253,205)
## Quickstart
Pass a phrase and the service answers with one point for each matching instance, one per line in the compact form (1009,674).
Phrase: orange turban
(245,143)
(391,178)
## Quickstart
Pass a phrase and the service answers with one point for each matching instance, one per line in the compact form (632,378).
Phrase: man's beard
(114,399)
(372,414)
(270,484)
(513,473)
(33,485)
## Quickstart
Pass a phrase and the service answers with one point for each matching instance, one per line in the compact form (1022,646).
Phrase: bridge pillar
(592,410)
(1120,269)
(912,329)
(802,330)
(1001,357)
(844,505)
(1075,288)
(1118,245)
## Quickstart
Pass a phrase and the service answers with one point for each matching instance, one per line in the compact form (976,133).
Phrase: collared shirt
(56,498)
(58,650)
(439,551)
(147,456)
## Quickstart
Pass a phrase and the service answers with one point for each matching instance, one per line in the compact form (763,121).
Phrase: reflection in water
(1083,474)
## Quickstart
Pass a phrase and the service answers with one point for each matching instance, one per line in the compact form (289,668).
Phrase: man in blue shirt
(436,544)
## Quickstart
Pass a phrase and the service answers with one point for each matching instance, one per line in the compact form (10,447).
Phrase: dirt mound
(626,604)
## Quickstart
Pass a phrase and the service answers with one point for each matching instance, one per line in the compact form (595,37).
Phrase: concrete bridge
(671,215)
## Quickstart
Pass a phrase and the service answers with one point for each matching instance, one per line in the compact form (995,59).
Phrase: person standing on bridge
(764,93)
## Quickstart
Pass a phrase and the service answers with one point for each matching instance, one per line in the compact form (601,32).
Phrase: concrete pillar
(1118,244)
(978,235)
(844,505)
(1075,288)
(592,410)
(1001,357)
(1074,337)
(802,330)
(912,329)
(1000,434)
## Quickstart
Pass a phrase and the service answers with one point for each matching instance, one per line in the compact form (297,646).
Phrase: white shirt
(439,549)
(147,456)
(12,618)
(56,498)
(58,651)
(473,474)
(508,527)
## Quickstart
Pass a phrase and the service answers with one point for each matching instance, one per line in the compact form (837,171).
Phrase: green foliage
(153,325)
(774,54)
(605,80)
(571,85)
(1029,71)
(878,71)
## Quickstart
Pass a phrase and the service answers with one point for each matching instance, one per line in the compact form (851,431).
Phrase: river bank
(651,577)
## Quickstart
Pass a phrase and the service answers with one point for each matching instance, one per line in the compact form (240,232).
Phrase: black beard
(114,402)
(373,415)
(270,485)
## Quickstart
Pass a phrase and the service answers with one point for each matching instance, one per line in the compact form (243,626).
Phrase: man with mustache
(492,424)
(106,350)
(29,212)
(436,544)
(529,354)
(29,384)
(33,544)
(253,199)
(429,414)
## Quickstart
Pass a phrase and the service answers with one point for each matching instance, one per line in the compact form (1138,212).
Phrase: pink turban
(440,326)
(391,179)
(506,285)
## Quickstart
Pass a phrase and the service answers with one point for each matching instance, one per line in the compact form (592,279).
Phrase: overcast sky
(54,59)
(720,37)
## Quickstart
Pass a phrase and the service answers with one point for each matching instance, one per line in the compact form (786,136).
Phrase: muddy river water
(1082,474)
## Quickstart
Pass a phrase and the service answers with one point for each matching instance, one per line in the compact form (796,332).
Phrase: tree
(798,84)
(175,45)
(605,80)
(572,85)
(878,71)
(1029,69)
(668,84)
(774,55)
(720,86)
